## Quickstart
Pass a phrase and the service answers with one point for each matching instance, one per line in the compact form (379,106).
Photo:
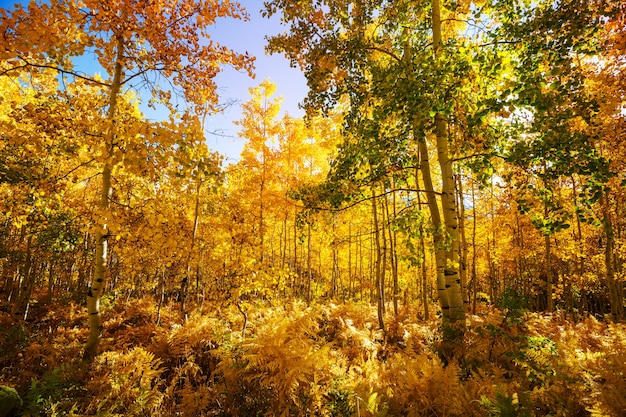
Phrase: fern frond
(127,383)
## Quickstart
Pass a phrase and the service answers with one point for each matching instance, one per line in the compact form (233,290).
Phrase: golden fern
(126,384)
(286,362)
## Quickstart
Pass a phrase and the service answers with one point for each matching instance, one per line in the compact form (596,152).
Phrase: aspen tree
(131,40)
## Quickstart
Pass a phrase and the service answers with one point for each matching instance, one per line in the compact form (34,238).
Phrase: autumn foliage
(443,233)
(323,360)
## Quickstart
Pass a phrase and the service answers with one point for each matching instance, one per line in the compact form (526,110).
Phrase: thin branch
(55,68)
(463,158)
(469,22)
(142,72)
(74,169)
(222,135)
(384,51)
(499,43)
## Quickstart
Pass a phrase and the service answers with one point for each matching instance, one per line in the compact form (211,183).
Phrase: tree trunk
(26,283)
(431,199)
(463,243)
(383,264)
(360,264)
(616,300)
(184,286)
(294,268)
(474,276)
(456,314)
(50,281)
(161,295)
(309,266)
(337,285)
(435,216)
(393,256)
(350,274)
(580,267)
(284,243)
(549,273)
(422,249)
(491,245)
(378,267)
(424,278)
(262,205)
(548,257)
(94,294)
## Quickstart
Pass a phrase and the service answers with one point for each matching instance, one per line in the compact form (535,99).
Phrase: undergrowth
(319,360)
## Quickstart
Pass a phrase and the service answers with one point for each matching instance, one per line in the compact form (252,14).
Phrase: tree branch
(55,68)
(74,169)
(384,51)
(355,203)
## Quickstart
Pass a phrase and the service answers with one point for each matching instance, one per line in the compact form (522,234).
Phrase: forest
(443,233)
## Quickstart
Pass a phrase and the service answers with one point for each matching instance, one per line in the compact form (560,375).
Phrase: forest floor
(320,360)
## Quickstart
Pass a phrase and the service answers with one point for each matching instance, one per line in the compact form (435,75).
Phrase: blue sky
(233,86)
(250,36)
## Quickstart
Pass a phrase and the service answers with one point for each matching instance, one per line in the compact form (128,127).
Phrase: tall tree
(388,64)
(135,42)
(261,127)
